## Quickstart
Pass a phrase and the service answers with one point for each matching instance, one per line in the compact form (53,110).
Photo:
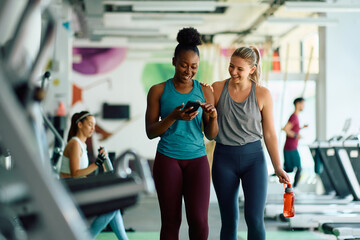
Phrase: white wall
(125,88)
(339,86)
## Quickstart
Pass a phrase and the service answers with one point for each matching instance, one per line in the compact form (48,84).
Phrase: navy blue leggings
(190,178)
(232,163)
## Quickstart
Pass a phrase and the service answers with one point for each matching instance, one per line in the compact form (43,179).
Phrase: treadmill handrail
(122,168)
(53,130)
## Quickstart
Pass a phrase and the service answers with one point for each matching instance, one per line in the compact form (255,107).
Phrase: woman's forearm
(156,129)
(211,129)
(272,148)
(84,172)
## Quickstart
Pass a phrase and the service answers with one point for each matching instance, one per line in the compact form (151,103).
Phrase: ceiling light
(321,7)
(127,31)
(174,6)
(321,21)
(104,42)
(178,6)
(169,19)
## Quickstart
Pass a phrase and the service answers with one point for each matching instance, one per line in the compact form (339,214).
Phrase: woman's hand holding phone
(186,113)
(191,106)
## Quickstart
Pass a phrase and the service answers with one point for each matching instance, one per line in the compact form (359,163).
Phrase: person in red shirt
(292,128)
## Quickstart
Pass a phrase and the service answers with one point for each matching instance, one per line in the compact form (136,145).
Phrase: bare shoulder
(72,144)
(156,90)
(71,147)
(218,86)
(219,83)
(262,92)
(263,97)
(158,87)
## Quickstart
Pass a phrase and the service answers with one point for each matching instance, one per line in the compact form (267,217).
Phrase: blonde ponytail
(252,56)
(256,75)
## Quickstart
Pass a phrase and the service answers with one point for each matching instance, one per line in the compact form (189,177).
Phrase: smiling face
(186,65)
(240,69)
(87,126)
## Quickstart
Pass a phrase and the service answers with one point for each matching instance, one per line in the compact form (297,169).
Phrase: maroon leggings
(190,178)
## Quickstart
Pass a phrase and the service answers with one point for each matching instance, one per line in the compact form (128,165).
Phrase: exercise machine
(349,162)
(343,174)
(34,204)
(340,198)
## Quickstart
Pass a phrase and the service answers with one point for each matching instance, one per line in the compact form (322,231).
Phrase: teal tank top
(184,139)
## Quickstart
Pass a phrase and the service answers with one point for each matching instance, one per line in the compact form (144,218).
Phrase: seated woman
(75,164)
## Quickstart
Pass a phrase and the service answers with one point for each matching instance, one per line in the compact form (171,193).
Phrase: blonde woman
(245,116)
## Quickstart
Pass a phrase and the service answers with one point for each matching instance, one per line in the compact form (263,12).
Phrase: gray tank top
(239,122)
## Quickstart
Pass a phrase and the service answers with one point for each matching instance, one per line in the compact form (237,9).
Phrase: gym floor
(144,218)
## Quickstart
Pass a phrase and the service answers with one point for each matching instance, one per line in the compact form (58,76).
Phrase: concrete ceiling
(223,22)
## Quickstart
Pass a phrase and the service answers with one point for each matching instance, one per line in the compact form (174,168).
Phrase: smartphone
(193,104)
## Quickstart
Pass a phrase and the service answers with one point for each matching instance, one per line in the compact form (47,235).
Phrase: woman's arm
(270,139)
(210,114)
(156,127)
(73,149)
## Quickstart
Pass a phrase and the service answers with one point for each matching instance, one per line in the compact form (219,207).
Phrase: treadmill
(349,159)
(342,173)
(319,169)
(307,197)
(339,198)
(112,190)
(342,231)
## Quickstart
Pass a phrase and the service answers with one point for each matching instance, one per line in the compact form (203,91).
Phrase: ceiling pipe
(274,6)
